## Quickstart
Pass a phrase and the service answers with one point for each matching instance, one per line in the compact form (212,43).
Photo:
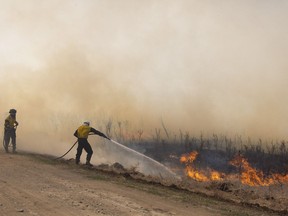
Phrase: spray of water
(154,167)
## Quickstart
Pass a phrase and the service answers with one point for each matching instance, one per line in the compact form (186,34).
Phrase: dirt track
(35,185)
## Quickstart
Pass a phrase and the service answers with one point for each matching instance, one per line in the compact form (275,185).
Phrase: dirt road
(36,185)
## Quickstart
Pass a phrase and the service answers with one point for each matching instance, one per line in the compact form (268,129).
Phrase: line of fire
(247,174)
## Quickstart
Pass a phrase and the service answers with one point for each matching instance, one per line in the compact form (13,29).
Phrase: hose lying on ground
(67,151)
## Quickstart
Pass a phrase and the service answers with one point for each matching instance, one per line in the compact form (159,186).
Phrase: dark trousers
(83,143)
(9,134)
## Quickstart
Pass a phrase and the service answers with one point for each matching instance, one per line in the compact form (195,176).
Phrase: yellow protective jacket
(83,131)
(10,122)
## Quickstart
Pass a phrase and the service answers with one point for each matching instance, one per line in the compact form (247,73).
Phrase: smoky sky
(199,66)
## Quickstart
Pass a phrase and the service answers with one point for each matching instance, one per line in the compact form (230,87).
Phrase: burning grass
(247,174)
(252,172)
(243,184)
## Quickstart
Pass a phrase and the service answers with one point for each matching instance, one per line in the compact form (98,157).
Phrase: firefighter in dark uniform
(82,134)
(10,130)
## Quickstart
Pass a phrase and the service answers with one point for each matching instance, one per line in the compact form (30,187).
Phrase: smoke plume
(198,66)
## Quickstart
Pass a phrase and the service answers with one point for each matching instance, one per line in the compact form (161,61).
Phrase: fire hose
(69,149)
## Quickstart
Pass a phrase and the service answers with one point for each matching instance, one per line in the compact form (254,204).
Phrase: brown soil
(37,185)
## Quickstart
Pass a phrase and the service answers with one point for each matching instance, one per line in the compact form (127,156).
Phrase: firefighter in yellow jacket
(82,134)
(10,130)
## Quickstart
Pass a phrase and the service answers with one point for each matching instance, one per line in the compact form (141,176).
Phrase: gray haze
(200,66)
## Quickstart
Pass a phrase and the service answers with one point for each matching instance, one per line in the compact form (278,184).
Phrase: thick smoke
(200,66)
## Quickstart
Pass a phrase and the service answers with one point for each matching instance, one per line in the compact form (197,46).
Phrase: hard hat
(86,123)
(12,111)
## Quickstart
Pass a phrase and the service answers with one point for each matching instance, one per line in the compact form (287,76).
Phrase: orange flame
(189,158)
(280,178)
(216,176)
(253,177)
(193,173)
(248,175)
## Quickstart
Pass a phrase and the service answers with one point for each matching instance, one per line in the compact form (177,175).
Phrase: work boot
(89,164)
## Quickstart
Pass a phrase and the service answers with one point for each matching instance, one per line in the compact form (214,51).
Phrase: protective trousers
(9,134)
(83,143)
